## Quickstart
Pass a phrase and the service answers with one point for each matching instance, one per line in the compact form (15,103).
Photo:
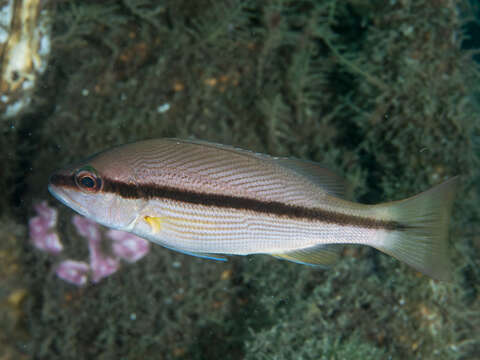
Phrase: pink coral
(42,229)
(127,246)
(101,265)
(74,272)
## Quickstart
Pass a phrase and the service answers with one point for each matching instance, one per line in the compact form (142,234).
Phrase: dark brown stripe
(152,191)
(62,181)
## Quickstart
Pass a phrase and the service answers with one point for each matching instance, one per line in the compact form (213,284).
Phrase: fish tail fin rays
(321,255)
(421,240)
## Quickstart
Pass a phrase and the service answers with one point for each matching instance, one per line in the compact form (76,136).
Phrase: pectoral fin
(154,222)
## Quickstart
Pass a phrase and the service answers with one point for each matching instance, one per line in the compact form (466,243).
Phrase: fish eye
(88,180)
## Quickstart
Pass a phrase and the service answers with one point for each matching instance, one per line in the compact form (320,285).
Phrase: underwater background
(384,92)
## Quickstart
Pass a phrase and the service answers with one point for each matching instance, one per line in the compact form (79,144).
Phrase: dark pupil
(87,182)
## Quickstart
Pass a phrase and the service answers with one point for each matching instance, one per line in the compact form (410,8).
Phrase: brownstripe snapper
(208,199)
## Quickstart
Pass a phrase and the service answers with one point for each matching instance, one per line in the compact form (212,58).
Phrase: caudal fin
(422,240)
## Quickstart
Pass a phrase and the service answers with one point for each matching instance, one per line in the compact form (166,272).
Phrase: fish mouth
(57,193)
(62,196)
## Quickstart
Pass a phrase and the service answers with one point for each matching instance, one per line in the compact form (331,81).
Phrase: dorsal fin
(332,183)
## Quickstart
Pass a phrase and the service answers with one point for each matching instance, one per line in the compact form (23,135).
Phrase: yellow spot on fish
(154,222)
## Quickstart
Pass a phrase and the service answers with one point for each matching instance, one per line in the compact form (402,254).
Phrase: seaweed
(369,88)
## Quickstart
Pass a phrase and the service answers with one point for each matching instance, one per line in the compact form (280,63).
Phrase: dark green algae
(380,91)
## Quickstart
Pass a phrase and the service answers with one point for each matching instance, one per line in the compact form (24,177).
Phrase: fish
(211,200)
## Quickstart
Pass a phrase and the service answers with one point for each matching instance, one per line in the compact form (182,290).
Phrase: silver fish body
(208,199)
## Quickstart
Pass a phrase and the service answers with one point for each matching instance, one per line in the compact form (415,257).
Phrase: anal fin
(320,255)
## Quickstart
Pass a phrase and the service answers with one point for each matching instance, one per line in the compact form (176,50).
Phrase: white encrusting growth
(25,47)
